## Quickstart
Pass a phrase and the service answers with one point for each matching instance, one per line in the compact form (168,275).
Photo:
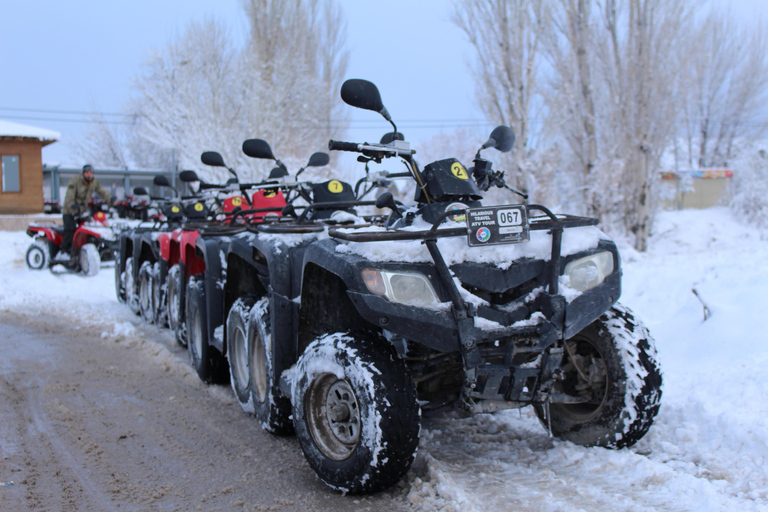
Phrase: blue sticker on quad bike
(483,234)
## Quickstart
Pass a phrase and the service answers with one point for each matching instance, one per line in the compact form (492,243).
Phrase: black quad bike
(344,334)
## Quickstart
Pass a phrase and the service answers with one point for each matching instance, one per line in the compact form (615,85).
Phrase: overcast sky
(80,56)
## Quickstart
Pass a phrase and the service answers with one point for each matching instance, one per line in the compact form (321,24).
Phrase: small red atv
(92,243)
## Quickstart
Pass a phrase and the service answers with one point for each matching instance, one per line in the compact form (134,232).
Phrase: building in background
(21,167)
(694,188)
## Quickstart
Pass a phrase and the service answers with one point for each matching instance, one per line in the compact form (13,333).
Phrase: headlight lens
(409,288)
(587,272)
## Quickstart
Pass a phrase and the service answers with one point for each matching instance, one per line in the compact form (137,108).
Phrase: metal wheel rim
(259,368)
(36,257)
(589,365)
(197,334)
(239,352)
(144,292)
(173,305)
(333,416)
(156,292)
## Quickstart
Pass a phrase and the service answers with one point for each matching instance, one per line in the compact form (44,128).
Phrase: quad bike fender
(210,250)
(49,232)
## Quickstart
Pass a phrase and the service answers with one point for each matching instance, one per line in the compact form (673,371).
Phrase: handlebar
(337,145)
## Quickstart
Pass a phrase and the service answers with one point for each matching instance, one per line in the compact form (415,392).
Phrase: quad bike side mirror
(161,181)
(365,95)
(502,138)
(258,148)
(213,159)
(188,176)
(319,159)
(386,200)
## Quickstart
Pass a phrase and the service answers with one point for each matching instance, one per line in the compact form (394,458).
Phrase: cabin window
(10,172)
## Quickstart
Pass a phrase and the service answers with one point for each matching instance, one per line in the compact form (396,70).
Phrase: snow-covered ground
(708,449)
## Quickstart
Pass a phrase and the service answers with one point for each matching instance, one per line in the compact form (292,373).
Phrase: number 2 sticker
(459,171)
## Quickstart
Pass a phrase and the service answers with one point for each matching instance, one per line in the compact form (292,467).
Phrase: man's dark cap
(87,167)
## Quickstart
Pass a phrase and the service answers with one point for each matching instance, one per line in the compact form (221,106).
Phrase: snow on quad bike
(349,332)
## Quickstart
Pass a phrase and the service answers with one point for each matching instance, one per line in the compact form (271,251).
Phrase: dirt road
(98,423)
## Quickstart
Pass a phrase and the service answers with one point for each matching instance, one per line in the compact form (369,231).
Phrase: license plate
(496,225)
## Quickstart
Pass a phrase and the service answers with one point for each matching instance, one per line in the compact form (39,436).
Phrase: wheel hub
(333,416)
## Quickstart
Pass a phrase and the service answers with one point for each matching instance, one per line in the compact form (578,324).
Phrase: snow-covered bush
(749,188)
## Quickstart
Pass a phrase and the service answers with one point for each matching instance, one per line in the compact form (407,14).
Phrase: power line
(74,112)
(62,120)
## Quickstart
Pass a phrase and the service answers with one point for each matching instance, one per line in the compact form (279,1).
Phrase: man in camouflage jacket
(79,192)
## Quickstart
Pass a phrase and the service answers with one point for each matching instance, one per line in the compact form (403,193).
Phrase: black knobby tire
(209,363)
(237,350)
(271,407)
(175,306)
(131,297)
(159,313)
(38,256)
(355,412)
(616,366)
(146,298)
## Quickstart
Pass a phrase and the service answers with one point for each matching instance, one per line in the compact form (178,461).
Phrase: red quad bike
(92,243)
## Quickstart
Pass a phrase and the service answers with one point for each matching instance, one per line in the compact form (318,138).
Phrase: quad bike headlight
(587,272)
(409,288)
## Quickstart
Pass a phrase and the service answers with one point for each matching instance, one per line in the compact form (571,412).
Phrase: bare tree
(296,61)
(727,85)
(506,36)
(103,145)
(201,93)
(640,73)
(570,92)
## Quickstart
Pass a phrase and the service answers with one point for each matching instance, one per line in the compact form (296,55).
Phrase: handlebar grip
(337,145)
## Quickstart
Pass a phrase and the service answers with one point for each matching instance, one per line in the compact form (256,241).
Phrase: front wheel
(90,260)
(612,367)
(355,412)
(38,255)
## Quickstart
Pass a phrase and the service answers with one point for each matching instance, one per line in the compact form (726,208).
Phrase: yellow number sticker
(236,201)
(198,207)
(459,171)
(270,193)
(175,209)
(335,186)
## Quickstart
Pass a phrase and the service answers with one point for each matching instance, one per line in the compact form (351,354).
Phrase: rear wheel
(237,350)
(38,255)
(355,412)
(209,363)
(146,299)
(175,309)
(271,407)
(612,366)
